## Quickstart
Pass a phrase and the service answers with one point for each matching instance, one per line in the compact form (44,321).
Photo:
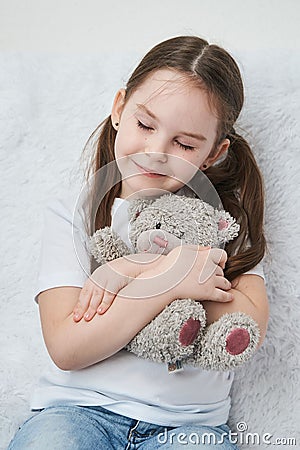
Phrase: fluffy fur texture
(49,105)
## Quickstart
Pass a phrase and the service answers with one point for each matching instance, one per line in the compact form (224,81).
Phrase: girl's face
(165,134)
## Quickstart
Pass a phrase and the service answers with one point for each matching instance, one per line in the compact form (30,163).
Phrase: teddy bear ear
(136,207)
(228,229)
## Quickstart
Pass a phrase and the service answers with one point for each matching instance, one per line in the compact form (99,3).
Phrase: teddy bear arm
(106,245)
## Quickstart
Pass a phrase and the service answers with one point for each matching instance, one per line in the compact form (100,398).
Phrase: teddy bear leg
(170,336)
(227,343)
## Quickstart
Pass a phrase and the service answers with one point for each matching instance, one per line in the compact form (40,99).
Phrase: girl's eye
(141,125)
(185,147)
(144,127)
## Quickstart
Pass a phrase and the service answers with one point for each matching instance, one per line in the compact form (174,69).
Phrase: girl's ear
(117,108)
(222,148)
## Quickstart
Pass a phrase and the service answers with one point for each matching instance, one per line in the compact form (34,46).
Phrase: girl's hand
(195,272)
(101,288)
(99,292)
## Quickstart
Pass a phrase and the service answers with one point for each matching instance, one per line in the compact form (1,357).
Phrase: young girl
(179,105)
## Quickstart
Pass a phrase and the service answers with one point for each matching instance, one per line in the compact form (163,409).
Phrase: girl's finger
(83,302)
(94,303)
(85,296)
(77,312)
(223,296)
(107,300)
(223,283)
(218,256)
(207,271)
(219,271)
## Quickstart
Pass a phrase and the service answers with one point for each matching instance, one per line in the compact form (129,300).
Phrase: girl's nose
(157,156)
(156,150)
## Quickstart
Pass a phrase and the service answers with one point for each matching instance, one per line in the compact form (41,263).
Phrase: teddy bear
(179,336)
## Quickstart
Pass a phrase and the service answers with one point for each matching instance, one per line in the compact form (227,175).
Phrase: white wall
(92,25)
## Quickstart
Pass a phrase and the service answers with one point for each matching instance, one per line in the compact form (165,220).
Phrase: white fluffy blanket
(49,106)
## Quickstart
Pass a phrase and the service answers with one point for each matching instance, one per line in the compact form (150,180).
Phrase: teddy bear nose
(152,241)
(160,242)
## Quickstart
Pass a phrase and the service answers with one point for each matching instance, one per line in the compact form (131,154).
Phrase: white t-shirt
(122,383)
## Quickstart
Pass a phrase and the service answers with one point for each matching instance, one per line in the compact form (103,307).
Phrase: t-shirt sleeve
(64,258)
(257,270)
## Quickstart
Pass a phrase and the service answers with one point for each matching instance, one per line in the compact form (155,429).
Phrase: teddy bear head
(157,225)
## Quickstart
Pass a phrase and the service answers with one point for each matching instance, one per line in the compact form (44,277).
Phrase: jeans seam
(130,434)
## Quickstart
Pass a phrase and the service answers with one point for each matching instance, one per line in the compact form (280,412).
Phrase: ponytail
(105,184)
(239,184)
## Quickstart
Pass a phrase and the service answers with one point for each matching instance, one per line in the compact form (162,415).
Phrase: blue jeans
(93,427)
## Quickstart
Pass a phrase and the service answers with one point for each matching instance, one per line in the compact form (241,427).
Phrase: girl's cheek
(182,168)
(127,146)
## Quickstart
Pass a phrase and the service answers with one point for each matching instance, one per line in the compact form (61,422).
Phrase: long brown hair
(237,179)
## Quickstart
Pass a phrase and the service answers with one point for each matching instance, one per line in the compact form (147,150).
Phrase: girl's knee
(58,428)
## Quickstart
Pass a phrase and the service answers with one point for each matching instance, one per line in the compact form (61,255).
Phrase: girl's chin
(140,188)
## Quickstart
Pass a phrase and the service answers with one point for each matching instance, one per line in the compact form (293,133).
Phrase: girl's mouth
(148,172)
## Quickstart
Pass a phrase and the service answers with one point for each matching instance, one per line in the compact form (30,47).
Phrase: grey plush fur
(180,220)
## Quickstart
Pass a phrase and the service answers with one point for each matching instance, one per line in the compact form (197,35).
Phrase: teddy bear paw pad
(237,341)
(189,332)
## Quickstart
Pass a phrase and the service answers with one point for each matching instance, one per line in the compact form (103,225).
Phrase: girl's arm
(102,286)
(250,297)
(74,346)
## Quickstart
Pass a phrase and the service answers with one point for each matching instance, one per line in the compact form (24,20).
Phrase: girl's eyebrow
(200,137)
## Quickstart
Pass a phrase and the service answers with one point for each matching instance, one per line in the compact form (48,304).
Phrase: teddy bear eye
(158,225)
